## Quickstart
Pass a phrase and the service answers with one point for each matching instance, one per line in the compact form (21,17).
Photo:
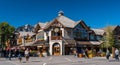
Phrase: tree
(109,39)
(6,31)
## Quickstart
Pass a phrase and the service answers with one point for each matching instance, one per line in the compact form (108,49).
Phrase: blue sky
(95,13)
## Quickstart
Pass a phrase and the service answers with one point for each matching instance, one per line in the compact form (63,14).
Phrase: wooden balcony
(56,38)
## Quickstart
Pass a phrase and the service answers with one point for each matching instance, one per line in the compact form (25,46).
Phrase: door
(56,49)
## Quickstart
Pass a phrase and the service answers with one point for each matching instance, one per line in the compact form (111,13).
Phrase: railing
(56,38)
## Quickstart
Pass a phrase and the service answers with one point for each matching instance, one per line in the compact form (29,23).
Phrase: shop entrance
(56,49)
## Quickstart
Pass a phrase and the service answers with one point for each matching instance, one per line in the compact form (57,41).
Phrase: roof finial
(60,13)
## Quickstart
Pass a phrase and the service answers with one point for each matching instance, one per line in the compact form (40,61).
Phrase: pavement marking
(68,59)
(50,58)
(44,63)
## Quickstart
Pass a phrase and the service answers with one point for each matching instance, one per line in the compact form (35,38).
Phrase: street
(60,60)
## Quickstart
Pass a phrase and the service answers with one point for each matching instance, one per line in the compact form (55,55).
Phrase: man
(116,54)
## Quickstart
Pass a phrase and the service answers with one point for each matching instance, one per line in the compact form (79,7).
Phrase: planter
(41,55)
(80,55)
(103,54)
(90,54)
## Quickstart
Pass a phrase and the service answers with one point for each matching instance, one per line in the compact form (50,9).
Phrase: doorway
(56,49)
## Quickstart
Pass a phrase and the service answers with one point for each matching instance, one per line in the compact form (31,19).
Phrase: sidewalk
(61,60)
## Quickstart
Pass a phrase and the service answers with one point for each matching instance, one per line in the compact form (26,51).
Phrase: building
(63,36)
(26,35)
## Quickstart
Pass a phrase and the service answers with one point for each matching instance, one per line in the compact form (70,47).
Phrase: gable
(116,31)
(37,28)
(54,23)
(82,25)
(79,26)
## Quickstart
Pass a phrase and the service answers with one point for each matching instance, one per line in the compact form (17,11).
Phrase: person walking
(107,54)
(116,54)
(27,54)
(9,54)
(20,55)
(86,53)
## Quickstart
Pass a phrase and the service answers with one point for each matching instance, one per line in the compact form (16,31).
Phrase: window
(92,37)
(98,37)
(40,36)
(80,33)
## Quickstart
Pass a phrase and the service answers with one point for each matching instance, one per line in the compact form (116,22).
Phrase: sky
(95,13)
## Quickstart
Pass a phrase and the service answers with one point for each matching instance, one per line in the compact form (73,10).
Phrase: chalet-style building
(116,33)
(62,36)
(26,35)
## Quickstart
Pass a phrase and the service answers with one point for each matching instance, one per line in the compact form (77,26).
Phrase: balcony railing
(56,38)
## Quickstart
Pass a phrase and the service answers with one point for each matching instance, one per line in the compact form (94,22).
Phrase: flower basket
(90,54)
(80,55)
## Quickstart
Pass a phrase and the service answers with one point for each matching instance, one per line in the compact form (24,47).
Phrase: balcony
(56,38)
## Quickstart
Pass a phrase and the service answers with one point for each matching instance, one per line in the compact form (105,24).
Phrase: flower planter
(90,54)
(41,55)
(80,55)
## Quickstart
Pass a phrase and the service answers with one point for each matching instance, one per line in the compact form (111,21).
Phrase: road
(60,60)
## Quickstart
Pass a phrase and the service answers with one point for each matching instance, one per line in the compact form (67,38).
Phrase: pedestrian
(116,54)
(86,53)
(9,55)
(6,53)
(27,54)
(20,56)
(107,54)
(75,52)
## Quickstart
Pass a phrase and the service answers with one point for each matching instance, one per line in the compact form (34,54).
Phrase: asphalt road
(60,60)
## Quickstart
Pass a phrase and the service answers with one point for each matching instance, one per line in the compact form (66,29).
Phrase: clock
(56,30)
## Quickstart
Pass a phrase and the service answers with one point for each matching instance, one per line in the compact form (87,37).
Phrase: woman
(27,54)
(107,54)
